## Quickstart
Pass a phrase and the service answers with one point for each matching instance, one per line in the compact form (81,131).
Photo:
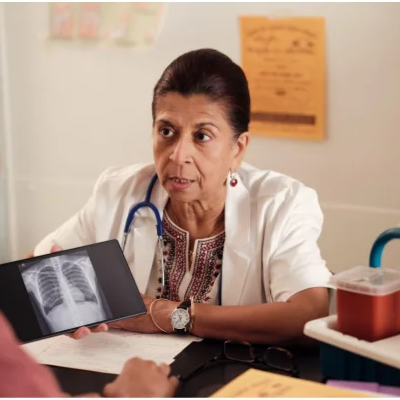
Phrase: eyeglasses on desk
(273,359)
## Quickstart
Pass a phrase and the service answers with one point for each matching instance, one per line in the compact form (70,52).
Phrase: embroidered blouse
(187,276)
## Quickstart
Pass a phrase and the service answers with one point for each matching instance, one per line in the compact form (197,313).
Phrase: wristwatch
(180,317)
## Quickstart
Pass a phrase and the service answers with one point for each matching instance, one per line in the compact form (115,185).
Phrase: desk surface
(75,382)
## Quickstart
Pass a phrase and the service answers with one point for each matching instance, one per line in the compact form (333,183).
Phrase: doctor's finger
(100,328)
(80,333)
(55,248)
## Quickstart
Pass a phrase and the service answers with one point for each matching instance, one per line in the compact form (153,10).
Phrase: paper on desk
(36,348)
(108,351)
(254,383)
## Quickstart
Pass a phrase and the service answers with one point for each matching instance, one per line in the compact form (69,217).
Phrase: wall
(76,110)
(6,234)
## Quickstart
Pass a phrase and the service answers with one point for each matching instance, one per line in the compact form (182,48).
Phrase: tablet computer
(57,293)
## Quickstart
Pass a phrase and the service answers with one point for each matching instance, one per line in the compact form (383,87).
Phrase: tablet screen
(57,293)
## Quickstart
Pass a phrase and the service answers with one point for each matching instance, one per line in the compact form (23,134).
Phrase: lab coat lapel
(144,238)
(236,259)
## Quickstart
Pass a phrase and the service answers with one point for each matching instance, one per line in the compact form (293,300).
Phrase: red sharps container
(368,302)
(368,298)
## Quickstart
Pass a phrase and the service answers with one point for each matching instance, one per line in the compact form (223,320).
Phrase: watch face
(180,318)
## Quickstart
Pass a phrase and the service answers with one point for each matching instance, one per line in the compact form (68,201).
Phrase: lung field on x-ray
(64,292)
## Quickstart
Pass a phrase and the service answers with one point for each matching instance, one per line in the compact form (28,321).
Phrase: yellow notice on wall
(254,383)
(284,61)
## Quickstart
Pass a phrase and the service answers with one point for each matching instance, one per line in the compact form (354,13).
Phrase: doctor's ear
(240,146)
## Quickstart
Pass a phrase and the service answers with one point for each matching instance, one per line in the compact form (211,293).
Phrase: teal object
(375,256)
(344,365)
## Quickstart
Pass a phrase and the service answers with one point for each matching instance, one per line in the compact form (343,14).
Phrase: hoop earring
(233,180)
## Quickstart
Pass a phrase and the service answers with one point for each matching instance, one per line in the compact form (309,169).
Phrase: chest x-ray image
(64,292)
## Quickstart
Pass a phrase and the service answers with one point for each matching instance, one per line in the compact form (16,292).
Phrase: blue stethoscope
(159,226)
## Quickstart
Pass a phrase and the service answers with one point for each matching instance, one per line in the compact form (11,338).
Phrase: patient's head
(201,115)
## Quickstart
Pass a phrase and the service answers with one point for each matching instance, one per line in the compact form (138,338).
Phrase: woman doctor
(258,229)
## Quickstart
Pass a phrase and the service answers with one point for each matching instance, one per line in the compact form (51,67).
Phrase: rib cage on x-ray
(66,290)
(49,289)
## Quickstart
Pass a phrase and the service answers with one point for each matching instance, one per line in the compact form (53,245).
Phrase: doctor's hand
(83,331)
(161,312)
(142,324)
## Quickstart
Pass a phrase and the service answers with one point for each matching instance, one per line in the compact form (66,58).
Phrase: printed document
(107,352)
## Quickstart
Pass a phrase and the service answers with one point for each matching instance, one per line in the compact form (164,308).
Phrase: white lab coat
(272,224)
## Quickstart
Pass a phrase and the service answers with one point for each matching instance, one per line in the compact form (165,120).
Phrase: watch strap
(185,304)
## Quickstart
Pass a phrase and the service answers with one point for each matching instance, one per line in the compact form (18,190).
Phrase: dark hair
(211,73)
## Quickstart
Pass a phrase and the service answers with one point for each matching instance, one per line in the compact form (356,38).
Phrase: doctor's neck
(201,219)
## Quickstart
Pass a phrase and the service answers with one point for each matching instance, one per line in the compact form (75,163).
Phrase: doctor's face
(194,148)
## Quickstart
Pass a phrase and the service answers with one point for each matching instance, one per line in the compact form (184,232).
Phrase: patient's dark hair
(211,73)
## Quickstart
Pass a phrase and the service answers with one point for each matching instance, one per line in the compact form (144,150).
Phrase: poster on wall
(124,24)
(284,61)
(89,20)
(132,24)
(61,20)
